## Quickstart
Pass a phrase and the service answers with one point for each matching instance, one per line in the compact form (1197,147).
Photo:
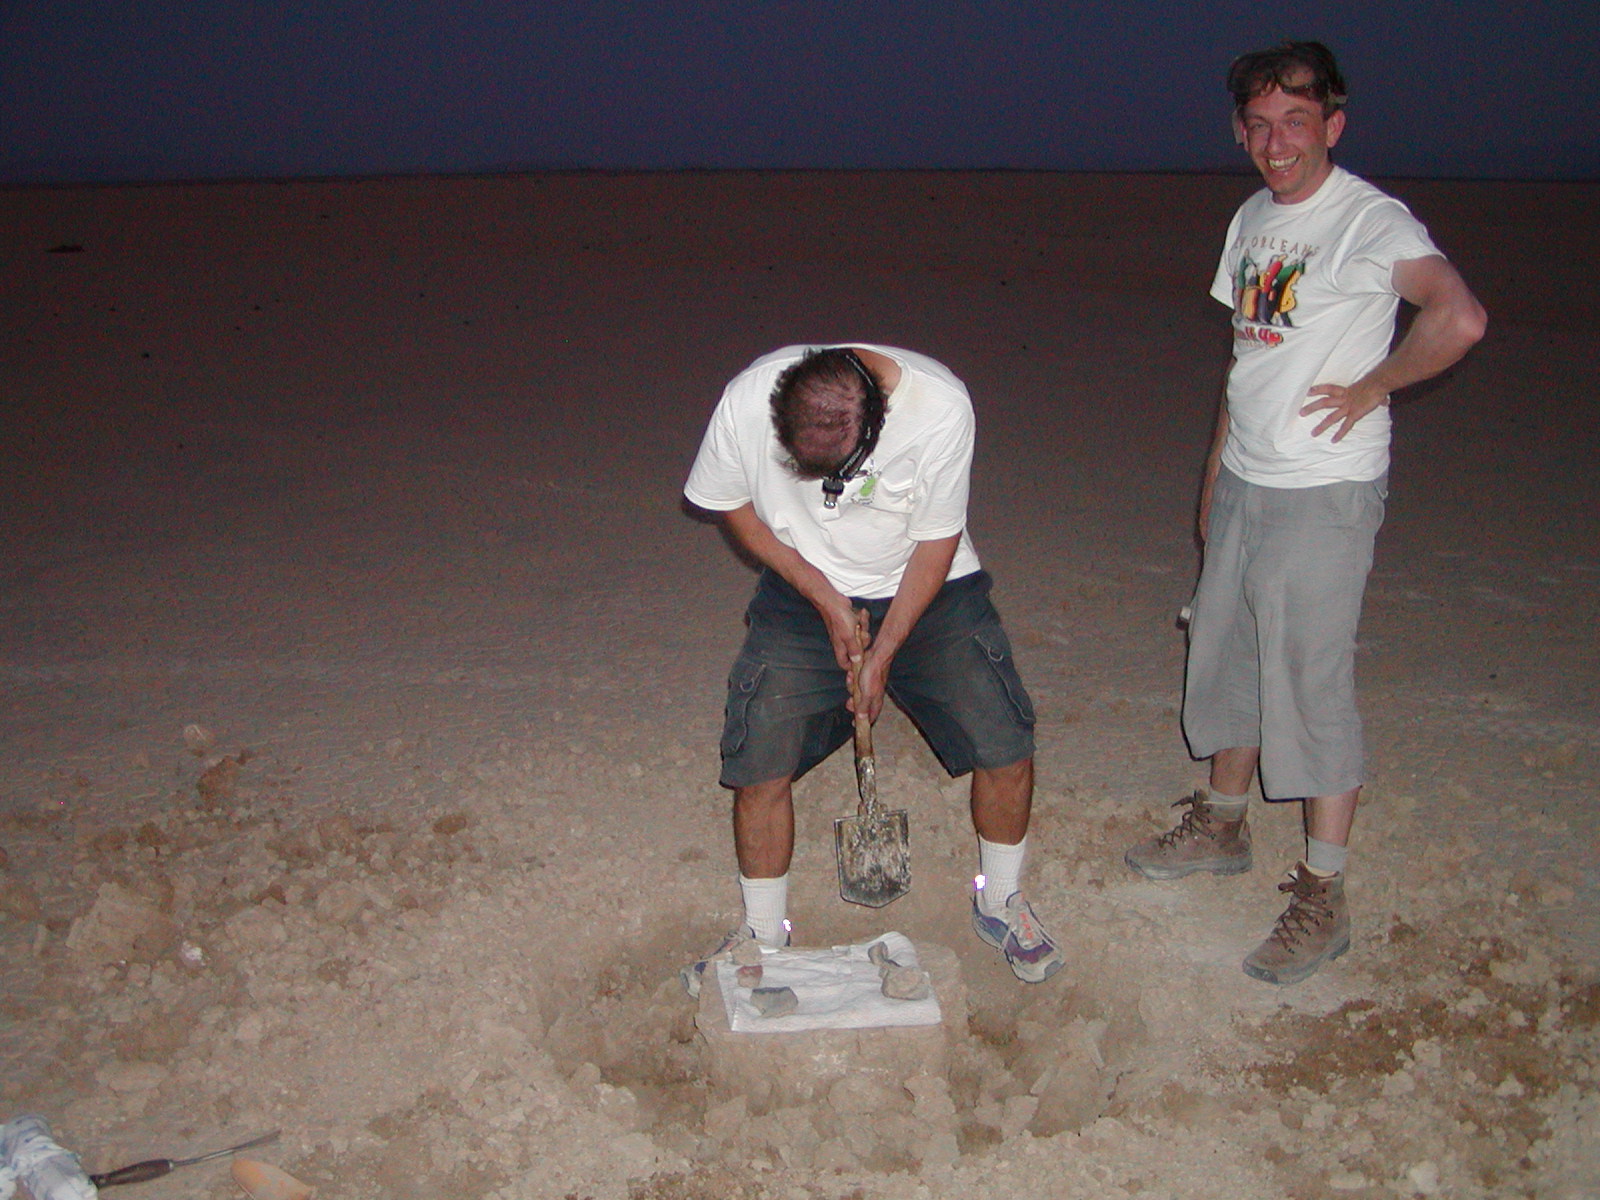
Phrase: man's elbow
(1471,323)
(1446,300)
(1459,324)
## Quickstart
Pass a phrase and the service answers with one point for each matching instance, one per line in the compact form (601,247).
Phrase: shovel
(873,847)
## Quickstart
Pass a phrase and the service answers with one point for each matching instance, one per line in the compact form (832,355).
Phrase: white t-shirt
(913,488)
(1313,302)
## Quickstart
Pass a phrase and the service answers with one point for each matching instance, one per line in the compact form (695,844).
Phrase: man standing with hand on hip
(1314,268)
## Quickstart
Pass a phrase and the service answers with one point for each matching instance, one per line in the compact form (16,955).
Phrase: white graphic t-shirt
(1313,302)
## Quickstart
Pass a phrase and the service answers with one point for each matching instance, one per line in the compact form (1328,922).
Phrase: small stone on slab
(774,1001)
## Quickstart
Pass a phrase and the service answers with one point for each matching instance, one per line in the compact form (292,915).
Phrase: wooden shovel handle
(863,723)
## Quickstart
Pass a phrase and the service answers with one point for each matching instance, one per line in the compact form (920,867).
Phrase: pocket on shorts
(744,681)
(996,649)
(1353,505)
(1377,502)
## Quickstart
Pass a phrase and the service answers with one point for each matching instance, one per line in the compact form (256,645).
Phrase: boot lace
(1308,908)
(1196,823)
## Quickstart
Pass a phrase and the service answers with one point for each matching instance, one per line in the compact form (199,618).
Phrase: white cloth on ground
(838,988)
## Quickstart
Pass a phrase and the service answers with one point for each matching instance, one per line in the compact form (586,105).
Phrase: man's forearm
(1438,338)
(925,574)
(923,577)
(756,537)
(1448,323)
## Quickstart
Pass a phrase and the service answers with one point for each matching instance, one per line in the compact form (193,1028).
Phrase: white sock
(766,908)
(1000,873)
(1325,858)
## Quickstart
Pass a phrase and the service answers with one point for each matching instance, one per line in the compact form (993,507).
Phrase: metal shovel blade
(874,855)
(873,847)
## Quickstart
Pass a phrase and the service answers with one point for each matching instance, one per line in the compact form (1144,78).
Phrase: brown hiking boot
(1199,842)
(1314,929)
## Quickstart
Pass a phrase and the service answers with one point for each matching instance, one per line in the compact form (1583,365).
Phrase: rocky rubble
(374,988)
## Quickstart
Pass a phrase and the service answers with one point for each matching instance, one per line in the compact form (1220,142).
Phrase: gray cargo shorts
(1272,633)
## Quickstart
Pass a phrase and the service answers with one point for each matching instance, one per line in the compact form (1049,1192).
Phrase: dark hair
(1285,68)
(824,379)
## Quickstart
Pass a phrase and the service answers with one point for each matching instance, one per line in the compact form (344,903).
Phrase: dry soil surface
(362,676)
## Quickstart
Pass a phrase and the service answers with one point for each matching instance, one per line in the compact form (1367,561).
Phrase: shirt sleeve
(941,506)
(1386,234)
(718,481)
(1222,283)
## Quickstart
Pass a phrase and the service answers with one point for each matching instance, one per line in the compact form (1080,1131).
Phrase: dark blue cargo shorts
(954,677)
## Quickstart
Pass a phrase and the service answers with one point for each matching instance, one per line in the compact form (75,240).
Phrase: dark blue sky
(200,89)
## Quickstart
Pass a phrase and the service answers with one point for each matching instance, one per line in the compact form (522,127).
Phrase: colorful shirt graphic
(1266,294)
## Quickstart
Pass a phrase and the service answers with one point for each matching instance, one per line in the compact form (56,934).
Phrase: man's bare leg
(1233,769)
(763,836)
(1329,818)
(763,828)
(1002,802)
